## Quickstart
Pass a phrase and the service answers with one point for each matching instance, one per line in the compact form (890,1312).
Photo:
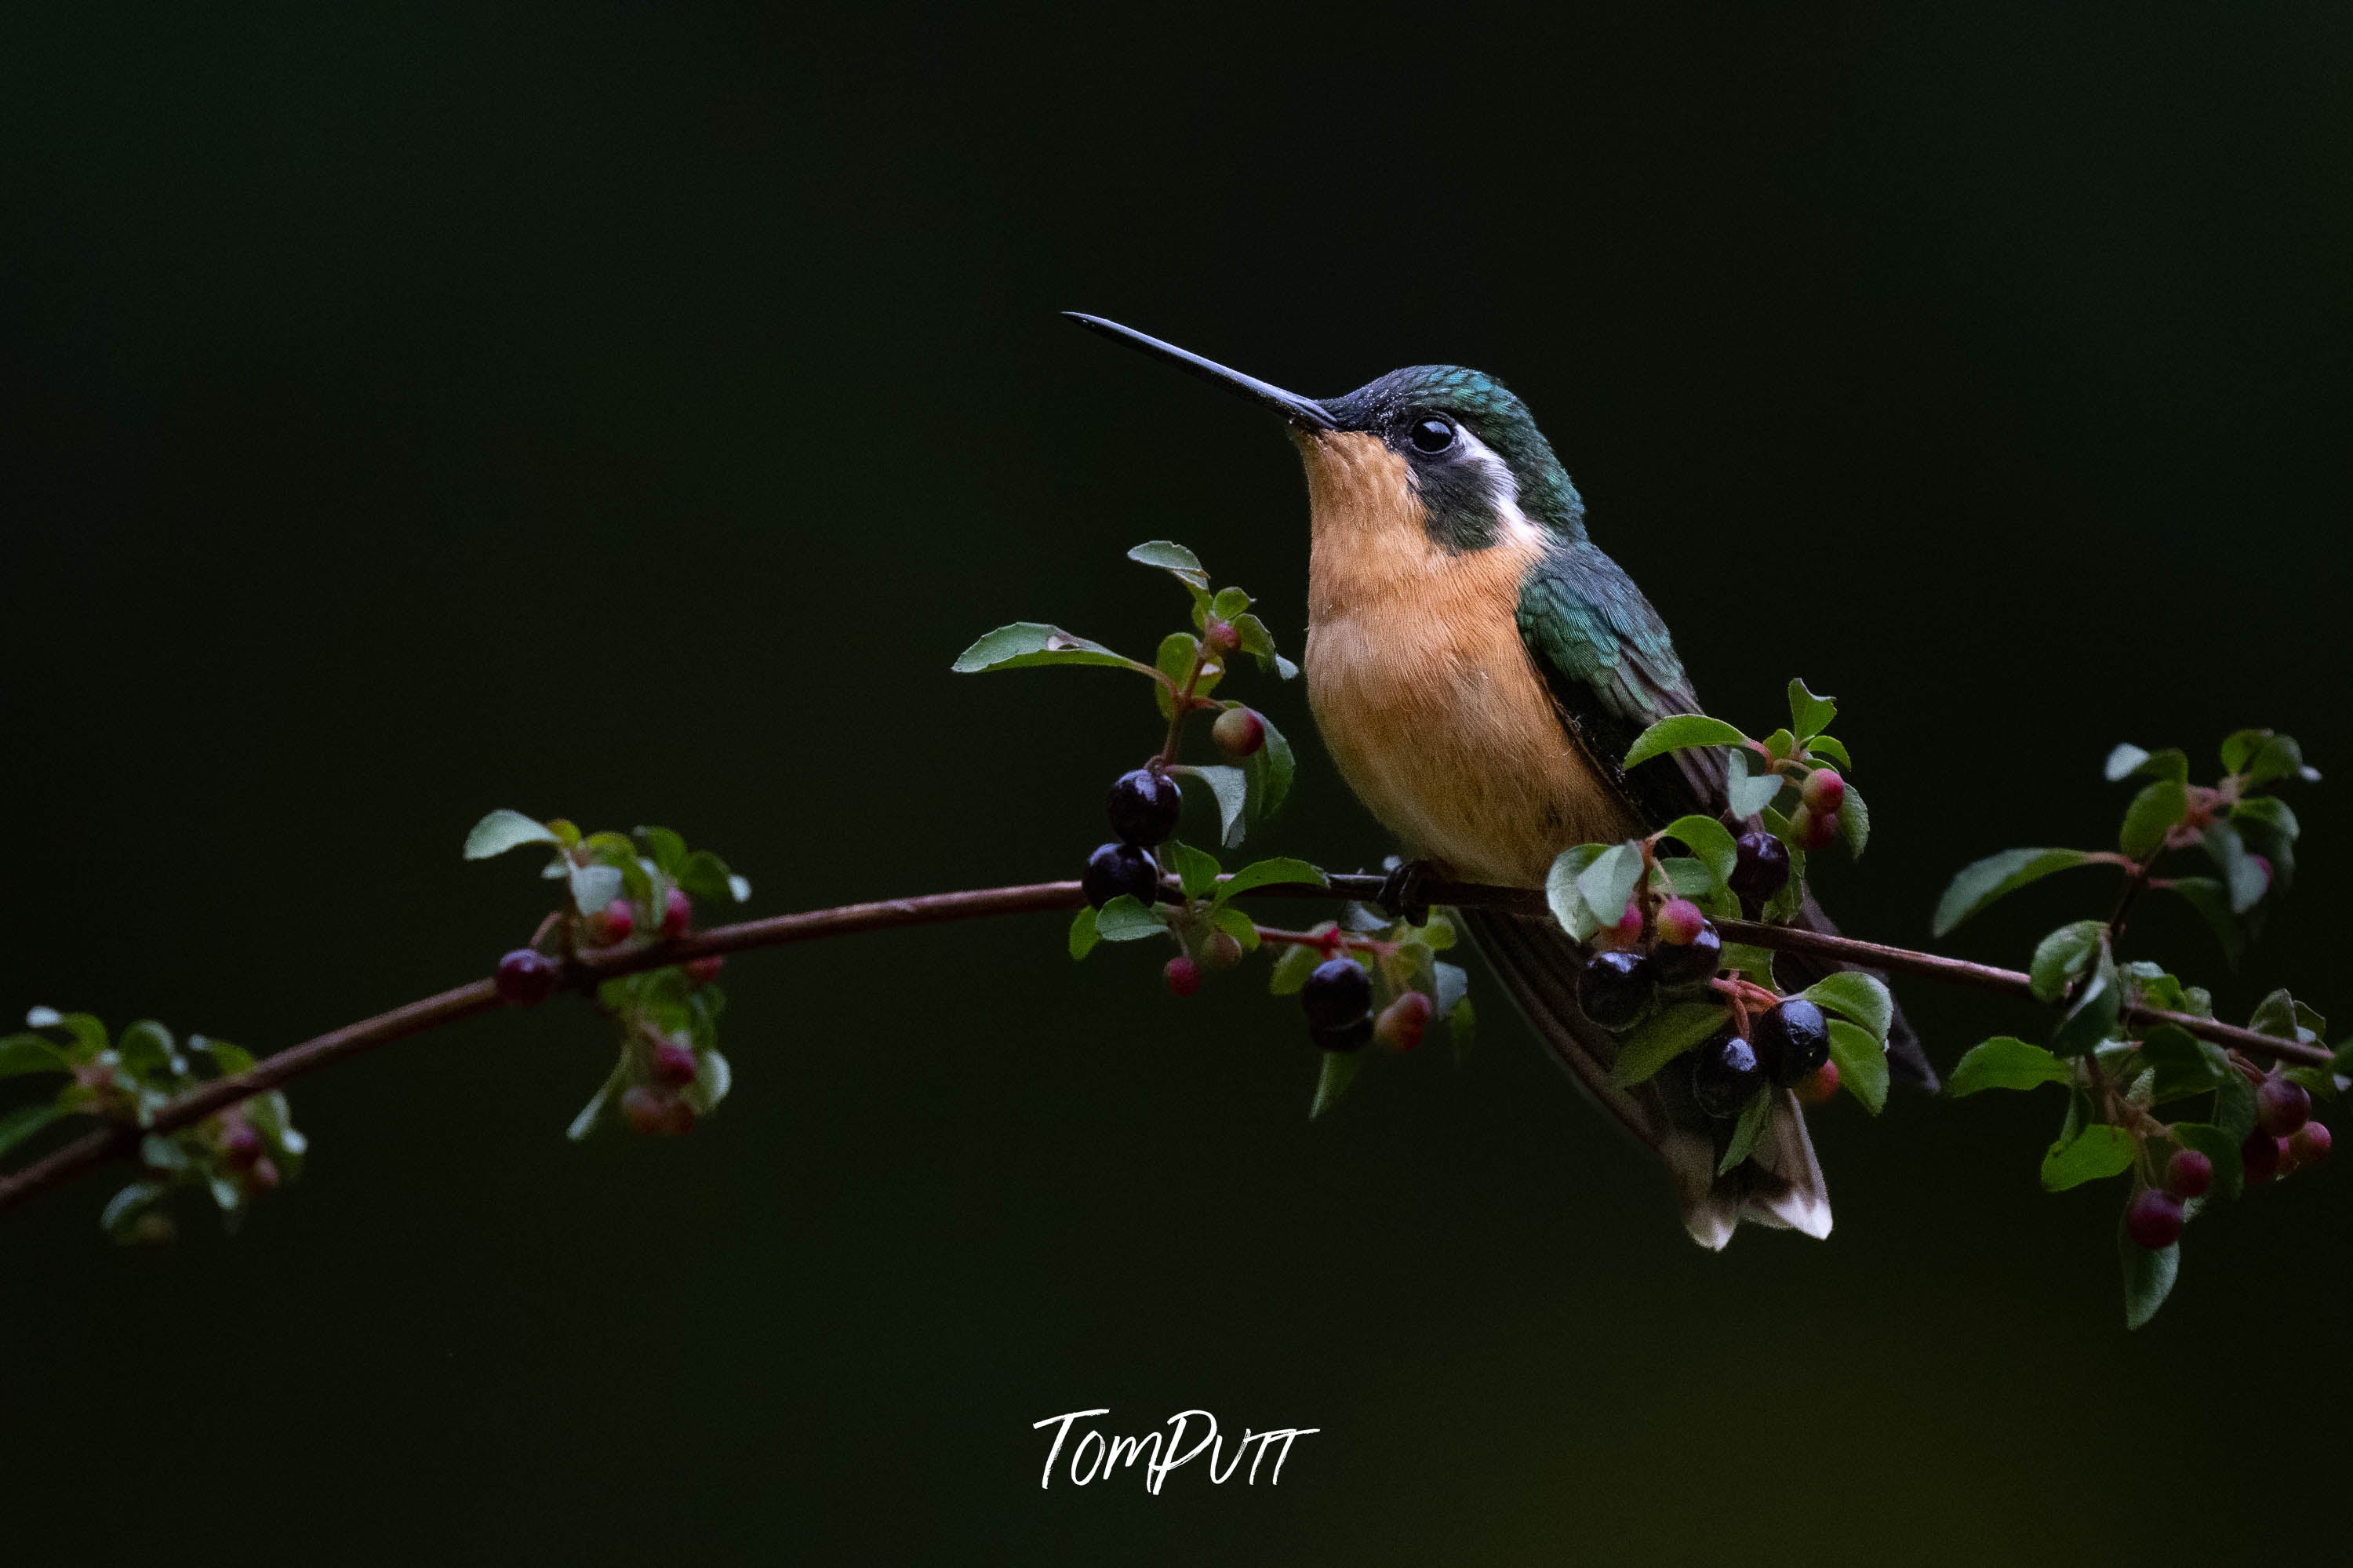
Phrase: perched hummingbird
(1477,666)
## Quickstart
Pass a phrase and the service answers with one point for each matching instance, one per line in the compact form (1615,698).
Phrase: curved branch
(583,973)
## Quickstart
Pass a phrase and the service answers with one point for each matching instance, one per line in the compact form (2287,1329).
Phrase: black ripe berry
(2282,1106)
(1114,869)
(1761,870)
(2154,1219)
(1338,994)
(2260,1155)
(1145,806)
(1792,1040)
(1614,989)
(1689,962)
(1724,1073)
(526,978)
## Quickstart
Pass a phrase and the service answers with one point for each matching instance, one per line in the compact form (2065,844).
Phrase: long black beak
(1304,411)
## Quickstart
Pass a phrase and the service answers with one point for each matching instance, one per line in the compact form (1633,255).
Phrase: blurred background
(629,415)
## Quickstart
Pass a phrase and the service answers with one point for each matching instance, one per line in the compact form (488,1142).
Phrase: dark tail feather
(1907,1062)
(1778,1185)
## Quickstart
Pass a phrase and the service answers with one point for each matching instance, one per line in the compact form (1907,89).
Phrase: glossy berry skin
(1614,990)
(1694,962)
(2154,1219)
(1680,920)
(1183,974)
(2309,1143)
(1239,732)
(677,914)
(1761,870)
(703,971)
(1145,806)
(2188,1173)
(674,1063)
(616,921)
(2261,1155)
(1338,993)
(1117,868)
(1403,1022)
(1724,1073)
(2282,1106)
(527,977)
(1824,791)
(1813,829)
(1823,1087)
(1792,1041)
(1351,1036)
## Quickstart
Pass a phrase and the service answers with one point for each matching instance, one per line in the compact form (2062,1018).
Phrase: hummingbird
(1477,666)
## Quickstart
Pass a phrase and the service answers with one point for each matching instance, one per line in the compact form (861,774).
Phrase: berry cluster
(1144,806)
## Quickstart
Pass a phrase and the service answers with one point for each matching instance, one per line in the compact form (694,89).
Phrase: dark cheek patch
(1458,502)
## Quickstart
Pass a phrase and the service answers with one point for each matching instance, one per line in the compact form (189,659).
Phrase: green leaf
(1710,843)
(2124,759)
(2242,875)
(123,1209)
(1461,1026)
(1568,905)
(2003,1062)
(1173,659)
(595,886)
(504,829)
(1753,1117)
(1026,644)
(1338,1072)
(20,1124)
(2213,901)
(2097,1152)
(1266,777)
(1780,746)
(2149,1275)
(1125,920)
(1754,962)
(1862,1063)
(1747,793)
(1173,558)
(1254,640)
(1238,925)
(2234,1098)
(1854,822)
(1860,997)
(2153,813)
(2283,1017)
(1280,872)
(2063,954)
(2178,1066)
(1664,1036)
(1676,734)
(2271,812)
(706,875)
(2093,1017)
(2240,750)
(1197,870)
(1982,881)
(1808,714)
(2217,1145)
(1232,791)
(1291,970)
(593,1111)
(713,1078)
(2127,760)
(1083,937)
(21,1053)
(2278,758)
(664,849)
(1830,748)
(1607,883)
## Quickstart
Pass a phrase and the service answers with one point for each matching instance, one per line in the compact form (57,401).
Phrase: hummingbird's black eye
(1431,436)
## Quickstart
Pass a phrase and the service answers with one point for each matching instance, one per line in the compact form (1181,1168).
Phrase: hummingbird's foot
(1403,894)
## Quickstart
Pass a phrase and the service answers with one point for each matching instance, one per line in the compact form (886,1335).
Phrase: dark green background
(629,415)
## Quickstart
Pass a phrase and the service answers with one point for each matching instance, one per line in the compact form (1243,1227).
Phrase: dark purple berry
(674,1062)
(1144,806)
(2188,1173)
(1350,1037)
(1724,1073)
(1338,993)
(527,977)
(2261,1155)
(1792,1040)
(1183,974)
(2281,1106)
(1614,989)
(677,914)
(1760,871)
(1693,961)
(2154,1219)
(1117,868)
(240,1144)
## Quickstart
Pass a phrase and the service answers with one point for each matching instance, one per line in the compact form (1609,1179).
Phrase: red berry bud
(1184,976)
(240,1144)
(703,971)
(263,1176)
(1824,791)
(1221,951)
(1813,829)
(677,914)
(2154,1219)
(615,922)
(674,1062)
(1403,1022)
(1220,636)
(657,1112)
(2309,1143)
(2189,1174)
(1680,921)
(1239,732)
(1823,1086)
(1626,932)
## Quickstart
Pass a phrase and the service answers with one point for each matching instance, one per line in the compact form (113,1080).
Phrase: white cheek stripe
(1515,525)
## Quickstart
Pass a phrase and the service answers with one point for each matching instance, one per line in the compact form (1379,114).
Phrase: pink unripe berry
(677,914)
(1821,1086)
(2261,1155)
(1220,636)
(703,971)
(263,1176)
(527,977)
(240,1144)
(1239,732)
(1813,829)
(2188,1173)
(616,921)
(674,1062)
(2281,1106)
(1625,932)
(1824,791)
(657,1112)
(1221,951)
(1403,1022)
(2154,1219)
(2309,1143)
(1184,976)
(2286,1151)
(1679,922)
